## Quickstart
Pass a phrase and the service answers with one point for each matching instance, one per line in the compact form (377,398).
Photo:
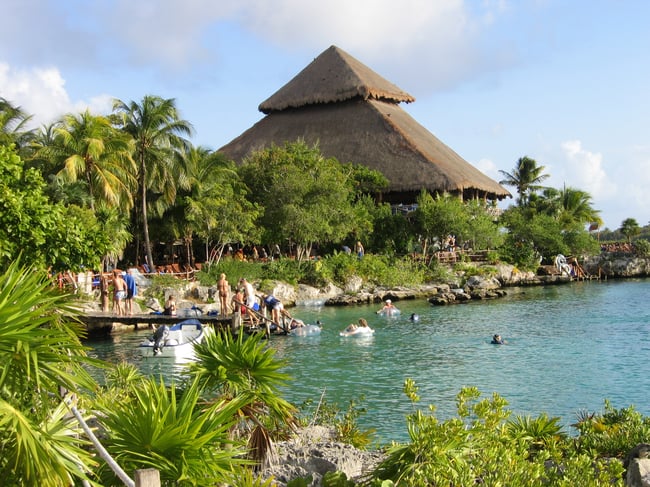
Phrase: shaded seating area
(175,270)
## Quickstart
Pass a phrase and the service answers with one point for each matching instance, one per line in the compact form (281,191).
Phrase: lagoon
(569,347)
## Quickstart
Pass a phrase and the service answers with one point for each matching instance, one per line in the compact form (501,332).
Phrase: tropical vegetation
(213,426)
(93,191)
(135,191)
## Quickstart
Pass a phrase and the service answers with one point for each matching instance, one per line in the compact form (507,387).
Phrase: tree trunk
(145,223)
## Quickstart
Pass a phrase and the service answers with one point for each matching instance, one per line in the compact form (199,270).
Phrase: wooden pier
(107,323)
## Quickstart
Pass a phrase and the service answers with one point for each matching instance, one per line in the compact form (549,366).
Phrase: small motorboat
(174,341)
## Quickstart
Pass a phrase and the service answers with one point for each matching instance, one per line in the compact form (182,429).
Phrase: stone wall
(617,264)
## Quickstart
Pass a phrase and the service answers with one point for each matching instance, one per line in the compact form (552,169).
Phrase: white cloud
(165,32)
(432,43)
(489,168)
(41,92)
(426,45)
(584,170)
(634,185)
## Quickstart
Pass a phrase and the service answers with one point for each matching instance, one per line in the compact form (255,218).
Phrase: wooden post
(148,477)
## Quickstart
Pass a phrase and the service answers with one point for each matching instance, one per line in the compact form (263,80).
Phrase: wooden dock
(107,323)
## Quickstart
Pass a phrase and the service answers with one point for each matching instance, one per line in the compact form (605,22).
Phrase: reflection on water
(569,348)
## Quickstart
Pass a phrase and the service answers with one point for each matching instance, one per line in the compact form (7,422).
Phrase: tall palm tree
(158,131)
(567,205)
(215,205)
(526,177)
(89,148)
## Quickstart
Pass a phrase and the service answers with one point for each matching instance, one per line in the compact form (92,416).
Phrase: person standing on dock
(104,289)
(131,291)
(223,288)
(119,292)
(251,300)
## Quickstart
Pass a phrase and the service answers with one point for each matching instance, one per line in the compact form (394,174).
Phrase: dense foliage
(483,446)
(46,234)
(141,190)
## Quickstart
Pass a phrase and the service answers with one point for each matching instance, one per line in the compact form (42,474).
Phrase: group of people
(123,287)
(449,244)
(244,301)
(254,253)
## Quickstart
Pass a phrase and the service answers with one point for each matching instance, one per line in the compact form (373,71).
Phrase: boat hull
(176,341)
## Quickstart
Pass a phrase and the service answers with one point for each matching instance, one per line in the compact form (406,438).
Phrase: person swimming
(414,317)
(497,340)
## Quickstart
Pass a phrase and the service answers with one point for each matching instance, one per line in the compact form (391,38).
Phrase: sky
(565,82)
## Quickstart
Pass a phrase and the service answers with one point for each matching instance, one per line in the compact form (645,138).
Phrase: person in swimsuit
(223,288)
(119,292)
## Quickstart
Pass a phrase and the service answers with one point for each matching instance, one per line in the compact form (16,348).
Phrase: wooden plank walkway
(105,323)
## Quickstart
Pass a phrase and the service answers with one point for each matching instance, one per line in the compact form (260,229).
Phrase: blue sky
(564,82)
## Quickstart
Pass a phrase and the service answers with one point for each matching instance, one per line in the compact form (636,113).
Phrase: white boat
(360,331)
(174,341)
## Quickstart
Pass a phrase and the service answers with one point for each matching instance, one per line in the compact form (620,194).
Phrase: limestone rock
(637,464)
(353,284)
(314,451)
(479,282)
(309,295)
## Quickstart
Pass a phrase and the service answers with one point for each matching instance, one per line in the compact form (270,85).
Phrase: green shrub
(479,446)
(541,433)
(642,247)
(612,433)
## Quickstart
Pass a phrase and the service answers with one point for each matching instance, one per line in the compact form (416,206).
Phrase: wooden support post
(148,477)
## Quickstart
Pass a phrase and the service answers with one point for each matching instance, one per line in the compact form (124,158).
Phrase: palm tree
(568,206)
(13,122)
(238,368)
(630,228)
(215,206)
(577,207)
(88,148)
(158,133)
(152,425)
(40,356)
(525,177)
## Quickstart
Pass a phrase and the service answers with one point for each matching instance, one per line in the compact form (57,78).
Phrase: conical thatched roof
(332,77)
(352,113)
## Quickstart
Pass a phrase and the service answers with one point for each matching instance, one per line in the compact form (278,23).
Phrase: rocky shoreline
(461,289)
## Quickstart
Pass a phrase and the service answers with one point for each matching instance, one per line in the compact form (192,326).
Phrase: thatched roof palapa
(352,113)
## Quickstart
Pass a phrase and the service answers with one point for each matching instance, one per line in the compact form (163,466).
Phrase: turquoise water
(569,347)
